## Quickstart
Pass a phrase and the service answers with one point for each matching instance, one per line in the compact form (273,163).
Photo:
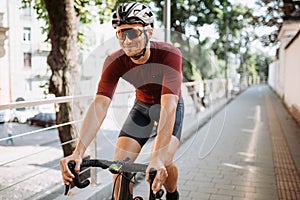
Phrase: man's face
(132,38)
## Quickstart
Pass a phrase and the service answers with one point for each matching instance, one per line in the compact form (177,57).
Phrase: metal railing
(23,156)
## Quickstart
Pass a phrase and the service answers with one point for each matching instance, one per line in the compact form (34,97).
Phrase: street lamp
(2,35)
(226,56)
(167,20)
(240,17)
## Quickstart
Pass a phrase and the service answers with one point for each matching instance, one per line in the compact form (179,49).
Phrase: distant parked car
(20,116)
(4,116)
(43,119)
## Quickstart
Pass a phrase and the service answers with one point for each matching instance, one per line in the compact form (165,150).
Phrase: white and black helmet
(132,13)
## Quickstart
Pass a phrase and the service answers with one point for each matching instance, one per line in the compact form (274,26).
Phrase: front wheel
(138,198)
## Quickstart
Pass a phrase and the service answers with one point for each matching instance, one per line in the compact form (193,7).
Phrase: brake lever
(152,174)
(77,183)
(160,193)
(71,166)
(67,188)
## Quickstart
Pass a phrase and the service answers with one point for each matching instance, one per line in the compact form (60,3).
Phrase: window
(26,11)
(26,34)
(27,60)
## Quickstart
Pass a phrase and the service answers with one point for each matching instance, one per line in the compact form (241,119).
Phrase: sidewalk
(233,157)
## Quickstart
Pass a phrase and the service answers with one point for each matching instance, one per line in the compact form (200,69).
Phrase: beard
(132,50)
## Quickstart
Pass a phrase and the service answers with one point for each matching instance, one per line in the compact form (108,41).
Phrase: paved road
(29,165)
(43,139)
(231,157)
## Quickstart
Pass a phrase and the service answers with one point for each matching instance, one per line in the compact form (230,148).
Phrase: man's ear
(150,31)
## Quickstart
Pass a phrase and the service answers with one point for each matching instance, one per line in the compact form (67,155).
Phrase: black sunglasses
(131,33)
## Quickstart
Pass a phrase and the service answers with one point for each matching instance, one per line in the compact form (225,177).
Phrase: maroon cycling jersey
(161,74)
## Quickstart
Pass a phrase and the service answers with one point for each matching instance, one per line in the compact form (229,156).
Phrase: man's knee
(171,182)
(171,168)
(126,147)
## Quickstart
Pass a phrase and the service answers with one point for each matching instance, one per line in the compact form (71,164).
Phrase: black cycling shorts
(140,123)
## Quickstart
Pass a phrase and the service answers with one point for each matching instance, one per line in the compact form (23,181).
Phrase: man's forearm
(91,123)
(165,128)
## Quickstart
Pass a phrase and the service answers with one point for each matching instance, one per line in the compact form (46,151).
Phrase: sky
(249,3)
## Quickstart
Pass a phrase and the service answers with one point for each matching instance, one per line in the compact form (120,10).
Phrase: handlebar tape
(104,164)
(76,181)
(126,166)
(160,193)
(152,174)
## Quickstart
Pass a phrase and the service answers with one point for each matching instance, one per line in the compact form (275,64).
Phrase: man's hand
(67,175)
(161,175)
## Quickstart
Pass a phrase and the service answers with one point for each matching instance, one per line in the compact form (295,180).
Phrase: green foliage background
(234,23)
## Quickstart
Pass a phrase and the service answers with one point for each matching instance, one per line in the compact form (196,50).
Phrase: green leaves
(272,17)
(187,17)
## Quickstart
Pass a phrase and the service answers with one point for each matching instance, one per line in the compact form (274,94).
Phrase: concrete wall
(287,31)
(272,78)
(284,73)
(292,79)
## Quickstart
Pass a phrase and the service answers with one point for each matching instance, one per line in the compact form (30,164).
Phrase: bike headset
(134,13)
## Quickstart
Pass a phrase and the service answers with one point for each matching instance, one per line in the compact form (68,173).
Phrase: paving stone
(240,165)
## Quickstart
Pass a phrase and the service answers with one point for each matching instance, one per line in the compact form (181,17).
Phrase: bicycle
(124,168)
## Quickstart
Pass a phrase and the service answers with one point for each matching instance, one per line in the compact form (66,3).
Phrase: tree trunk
(64,64)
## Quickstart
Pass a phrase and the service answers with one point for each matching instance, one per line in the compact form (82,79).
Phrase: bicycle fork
(125,186)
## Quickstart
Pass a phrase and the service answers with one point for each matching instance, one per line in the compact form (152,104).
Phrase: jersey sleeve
(171,83)
(109,78)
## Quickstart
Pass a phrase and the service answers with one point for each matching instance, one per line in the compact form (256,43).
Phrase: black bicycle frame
(125,193)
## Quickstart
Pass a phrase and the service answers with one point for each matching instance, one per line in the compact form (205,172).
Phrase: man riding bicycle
(155,70)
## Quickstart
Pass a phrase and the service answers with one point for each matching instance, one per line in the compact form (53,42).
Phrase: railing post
(93,154)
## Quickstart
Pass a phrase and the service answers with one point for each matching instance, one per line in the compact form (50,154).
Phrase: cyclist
(155,69)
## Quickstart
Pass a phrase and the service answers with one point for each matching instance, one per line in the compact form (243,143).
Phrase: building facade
(284,72)
(23,68)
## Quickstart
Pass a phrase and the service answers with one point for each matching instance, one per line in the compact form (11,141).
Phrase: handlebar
(152,174)
(114,167)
